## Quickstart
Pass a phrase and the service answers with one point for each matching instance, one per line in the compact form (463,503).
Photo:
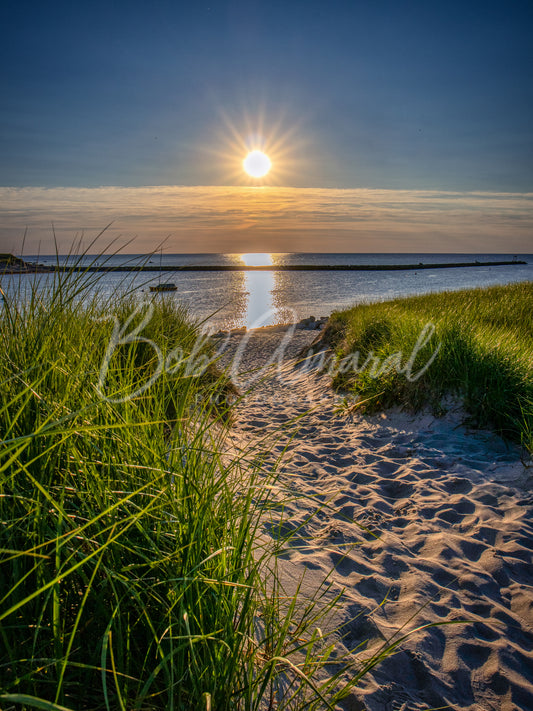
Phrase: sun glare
(258,150)
(257,164)
(257,259)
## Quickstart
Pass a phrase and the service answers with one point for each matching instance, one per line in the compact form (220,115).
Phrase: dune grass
(476,344)
(125,545)
(133,570)
(130,573)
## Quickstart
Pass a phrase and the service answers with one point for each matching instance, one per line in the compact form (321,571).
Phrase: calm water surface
(236,299)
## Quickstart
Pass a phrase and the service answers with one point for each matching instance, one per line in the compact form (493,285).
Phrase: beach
(275,546)
(413,520)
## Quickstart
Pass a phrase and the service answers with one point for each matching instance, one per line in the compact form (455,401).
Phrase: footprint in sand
(396,489)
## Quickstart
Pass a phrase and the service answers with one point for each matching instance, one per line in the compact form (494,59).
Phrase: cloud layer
(267,219)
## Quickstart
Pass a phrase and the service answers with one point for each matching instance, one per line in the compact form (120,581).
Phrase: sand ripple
(423,511)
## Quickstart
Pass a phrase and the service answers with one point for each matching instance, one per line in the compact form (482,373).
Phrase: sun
(258,149)
(257,164)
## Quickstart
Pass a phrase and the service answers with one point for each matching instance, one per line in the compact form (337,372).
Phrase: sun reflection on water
(260,309)
(257,259)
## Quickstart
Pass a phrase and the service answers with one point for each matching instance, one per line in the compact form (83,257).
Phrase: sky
(391,126)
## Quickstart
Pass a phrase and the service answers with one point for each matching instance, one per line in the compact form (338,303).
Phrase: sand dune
(426,512)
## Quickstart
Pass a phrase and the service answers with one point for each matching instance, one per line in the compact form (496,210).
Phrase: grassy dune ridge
(124,540)
(481,349)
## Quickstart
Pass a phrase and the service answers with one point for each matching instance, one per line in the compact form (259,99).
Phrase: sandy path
(451,514)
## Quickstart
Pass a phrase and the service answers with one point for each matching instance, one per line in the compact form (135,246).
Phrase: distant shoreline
(26,267)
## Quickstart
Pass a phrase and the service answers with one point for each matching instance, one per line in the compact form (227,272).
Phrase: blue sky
(344,95)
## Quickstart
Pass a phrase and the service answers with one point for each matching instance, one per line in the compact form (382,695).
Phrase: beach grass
(130,573)
(124,541)
(476,344)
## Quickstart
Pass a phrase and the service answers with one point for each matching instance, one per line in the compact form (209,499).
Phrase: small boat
(167,286)
(163,286)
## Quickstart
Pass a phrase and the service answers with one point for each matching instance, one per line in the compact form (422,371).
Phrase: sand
(426,511)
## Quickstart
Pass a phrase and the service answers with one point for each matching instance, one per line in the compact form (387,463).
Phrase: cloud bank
(266,219)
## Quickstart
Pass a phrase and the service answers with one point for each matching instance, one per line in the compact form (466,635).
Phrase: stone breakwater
(17,266)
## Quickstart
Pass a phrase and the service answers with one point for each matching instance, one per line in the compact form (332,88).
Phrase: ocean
(224,300)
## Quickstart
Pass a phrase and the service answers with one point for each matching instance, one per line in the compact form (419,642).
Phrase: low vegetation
(476,344)
(130,574)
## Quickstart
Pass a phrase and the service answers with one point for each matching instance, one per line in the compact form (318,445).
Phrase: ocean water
(224,300)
